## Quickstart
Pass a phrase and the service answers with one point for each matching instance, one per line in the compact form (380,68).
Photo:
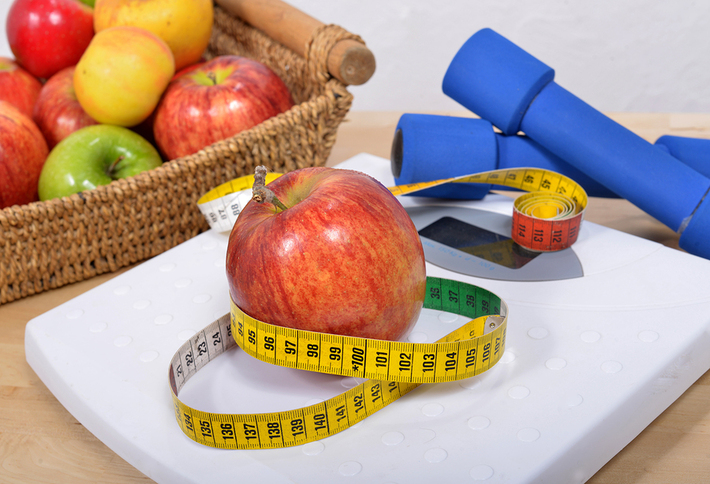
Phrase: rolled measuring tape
(545,219)
(392,368)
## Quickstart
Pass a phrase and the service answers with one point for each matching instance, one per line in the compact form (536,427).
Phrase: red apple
(48,35)
(57,112)
(145,128)
(17,86)
(343,257)
(22,155)
(216,100)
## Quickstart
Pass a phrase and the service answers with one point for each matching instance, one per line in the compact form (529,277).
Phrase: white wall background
(617,55)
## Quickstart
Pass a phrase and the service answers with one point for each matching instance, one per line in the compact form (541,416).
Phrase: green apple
(92,156)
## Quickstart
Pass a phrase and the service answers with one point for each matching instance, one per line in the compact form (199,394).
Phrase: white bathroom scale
(595,351)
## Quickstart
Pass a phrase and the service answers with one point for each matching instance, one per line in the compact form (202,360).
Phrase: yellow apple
(185,25)
(122,74)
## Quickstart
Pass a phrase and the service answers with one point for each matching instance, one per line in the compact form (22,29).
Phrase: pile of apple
(103,91)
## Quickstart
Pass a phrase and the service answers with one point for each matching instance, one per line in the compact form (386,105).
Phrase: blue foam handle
(694,152)
(430,147)
(625,163)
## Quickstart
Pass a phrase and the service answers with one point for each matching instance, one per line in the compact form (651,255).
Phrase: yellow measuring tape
(392,368)
(546,219)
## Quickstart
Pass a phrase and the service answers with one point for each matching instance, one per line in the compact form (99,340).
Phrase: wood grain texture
(40,442)
(349,60)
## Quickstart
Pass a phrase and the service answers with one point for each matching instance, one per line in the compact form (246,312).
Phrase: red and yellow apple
(216,100)
(22,155)
(57,112)
(342,258)
(46,36)
(185,25)
(122,74)
(17,86)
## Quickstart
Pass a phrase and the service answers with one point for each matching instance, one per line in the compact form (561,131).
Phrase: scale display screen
(478,241)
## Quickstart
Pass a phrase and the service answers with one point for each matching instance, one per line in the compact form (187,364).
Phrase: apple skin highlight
(344,258)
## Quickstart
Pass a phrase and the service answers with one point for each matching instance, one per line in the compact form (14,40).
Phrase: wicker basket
(45,245)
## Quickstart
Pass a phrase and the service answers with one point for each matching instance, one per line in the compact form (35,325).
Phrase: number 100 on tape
(392,368)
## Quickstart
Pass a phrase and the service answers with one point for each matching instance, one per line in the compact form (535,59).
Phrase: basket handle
(349,61)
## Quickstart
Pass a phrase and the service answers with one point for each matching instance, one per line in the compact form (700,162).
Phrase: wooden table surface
(40,442)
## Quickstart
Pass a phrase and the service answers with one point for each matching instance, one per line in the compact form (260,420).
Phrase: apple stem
(260,193)
(112,168)
(211,76)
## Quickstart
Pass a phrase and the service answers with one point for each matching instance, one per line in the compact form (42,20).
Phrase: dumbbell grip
(618,158)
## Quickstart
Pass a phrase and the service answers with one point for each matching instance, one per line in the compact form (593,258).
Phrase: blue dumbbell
(429,147)
(502,83)
(694,152)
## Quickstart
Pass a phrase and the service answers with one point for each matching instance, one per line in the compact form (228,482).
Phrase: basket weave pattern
(45,245)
